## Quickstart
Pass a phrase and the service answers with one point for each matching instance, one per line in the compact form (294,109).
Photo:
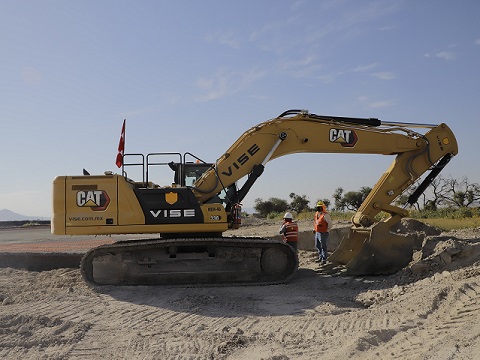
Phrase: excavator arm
(370,247)
(415,153)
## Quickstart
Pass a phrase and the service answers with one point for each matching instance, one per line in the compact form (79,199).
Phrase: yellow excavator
(203,201)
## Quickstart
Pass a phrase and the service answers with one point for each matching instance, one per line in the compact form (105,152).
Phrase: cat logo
(346,138)
(97,200)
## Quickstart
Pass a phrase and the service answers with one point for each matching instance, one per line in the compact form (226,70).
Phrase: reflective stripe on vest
(320,224)
(291,232)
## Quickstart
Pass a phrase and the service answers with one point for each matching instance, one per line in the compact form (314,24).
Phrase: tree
(298,203)
(271,205)
(351,200)
(460,193)
(430,201)
(445,192)
(338,197)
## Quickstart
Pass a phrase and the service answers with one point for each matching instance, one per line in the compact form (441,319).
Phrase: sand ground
(429,310)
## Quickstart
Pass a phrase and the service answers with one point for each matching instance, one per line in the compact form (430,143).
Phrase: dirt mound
(409,226)
(447,252)
(417,230)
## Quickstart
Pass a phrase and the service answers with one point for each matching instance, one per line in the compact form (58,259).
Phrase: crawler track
(215,261)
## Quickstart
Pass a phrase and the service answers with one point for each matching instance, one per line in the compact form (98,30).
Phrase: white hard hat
(288,215)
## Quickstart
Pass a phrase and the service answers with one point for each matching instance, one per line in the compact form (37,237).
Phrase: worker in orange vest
(322,225)
(289,230)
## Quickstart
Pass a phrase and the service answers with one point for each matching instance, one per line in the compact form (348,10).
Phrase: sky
(192,76)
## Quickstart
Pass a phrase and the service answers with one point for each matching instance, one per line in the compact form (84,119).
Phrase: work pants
(321,245)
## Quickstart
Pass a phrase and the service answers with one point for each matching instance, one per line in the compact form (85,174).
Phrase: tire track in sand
(451,323)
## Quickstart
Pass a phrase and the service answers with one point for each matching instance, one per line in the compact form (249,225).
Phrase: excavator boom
(191,214)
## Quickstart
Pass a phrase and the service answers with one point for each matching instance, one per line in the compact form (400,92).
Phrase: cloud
(356,21)
(340,22)
(327,78)
(297,4)
(365,68)
(381,104)
(375,104)
(227,39)
(225,83)
(477,41)
(301,68)
(445,55)
(307,60)
(384,75)
(387,28)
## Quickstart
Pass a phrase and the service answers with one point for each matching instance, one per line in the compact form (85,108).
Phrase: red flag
(121,147)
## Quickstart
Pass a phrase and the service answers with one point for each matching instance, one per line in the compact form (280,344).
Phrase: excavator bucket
(374,251)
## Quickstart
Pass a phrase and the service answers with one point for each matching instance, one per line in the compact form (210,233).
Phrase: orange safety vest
(320,225)
(291,232)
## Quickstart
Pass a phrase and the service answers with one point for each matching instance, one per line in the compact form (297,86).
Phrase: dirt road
(430,310)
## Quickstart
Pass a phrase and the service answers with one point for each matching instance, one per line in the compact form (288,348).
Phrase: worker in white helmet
(289,230)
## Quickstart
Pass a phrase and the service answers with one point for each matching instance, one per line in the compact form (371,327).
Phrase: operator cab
(187,169)
(188,173)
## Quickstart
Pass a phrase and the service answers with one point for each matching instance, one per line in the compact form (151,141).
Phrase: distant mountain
(7,215)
